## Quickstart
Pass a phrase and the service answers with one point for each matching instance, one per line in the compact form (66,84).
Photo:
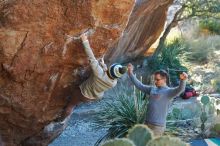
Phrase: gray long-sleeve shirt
(159,100)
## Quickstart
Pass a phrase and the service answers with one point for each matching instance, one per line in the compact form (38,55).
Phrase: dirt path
(80,132)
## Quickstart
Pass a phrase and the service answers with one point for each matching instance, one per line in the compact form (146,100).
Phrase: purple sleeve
(139,85)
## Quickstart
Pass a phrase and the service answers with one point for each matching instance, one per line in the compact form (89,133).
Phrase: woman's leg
(76,99)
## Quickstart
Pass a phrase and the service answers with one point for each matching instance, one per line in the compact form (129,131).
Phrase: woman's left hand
(183,76)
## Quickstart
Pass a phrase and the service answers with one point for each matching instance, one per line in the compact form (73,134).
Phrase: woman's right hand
(83,37)
(130,68)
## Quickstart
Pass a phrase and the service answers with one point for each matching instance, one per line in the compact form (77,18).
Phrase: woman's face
(159,80)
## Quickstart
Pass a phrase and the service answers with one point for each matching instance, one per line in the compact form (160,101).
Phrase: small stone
(197,130)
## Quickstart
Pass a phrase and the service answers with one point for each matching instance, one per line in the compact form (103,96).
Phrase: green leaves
(120,115)
(199,8)
(169,58)
(212,25)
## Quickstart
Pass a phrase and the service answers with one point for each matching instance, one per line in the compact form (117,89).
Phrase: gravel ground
(79,131)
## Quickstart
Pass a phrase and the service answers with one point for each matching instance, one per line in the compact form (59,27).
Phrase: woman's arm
(139,85)
(96,68)
(173,92)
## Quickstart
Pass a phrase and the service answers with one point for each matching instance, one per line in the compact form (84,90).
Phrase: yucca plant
(169,59)
(129,108)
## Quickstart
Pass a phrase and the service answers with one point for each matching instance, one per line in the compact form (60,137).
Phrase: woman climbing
(101,79)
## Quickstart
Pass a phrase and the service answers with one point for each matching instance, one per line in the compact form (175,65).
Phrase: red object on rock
(187,95)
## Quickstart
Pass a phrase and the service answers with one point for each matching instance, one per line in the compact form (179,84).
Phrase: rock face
(144,27)
(40,61)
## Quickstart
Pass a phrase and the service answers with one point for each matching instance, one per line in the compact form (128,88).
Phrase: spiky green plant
(140,134)
(169,59)
(166,141)
(127,110)
(119,142)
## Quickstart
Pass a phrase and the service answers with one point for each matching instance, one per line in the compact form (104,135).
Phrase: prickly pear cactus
(203,117)
(118,142)
(140,135)
(205,100)
(166,141)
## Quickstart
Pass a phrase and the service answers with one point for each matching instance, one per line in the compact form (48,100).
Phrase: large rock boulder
(145,25)
(40,61)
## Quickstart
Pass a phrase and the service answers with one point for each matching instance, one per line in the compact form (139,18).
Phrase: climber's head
(116,70)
